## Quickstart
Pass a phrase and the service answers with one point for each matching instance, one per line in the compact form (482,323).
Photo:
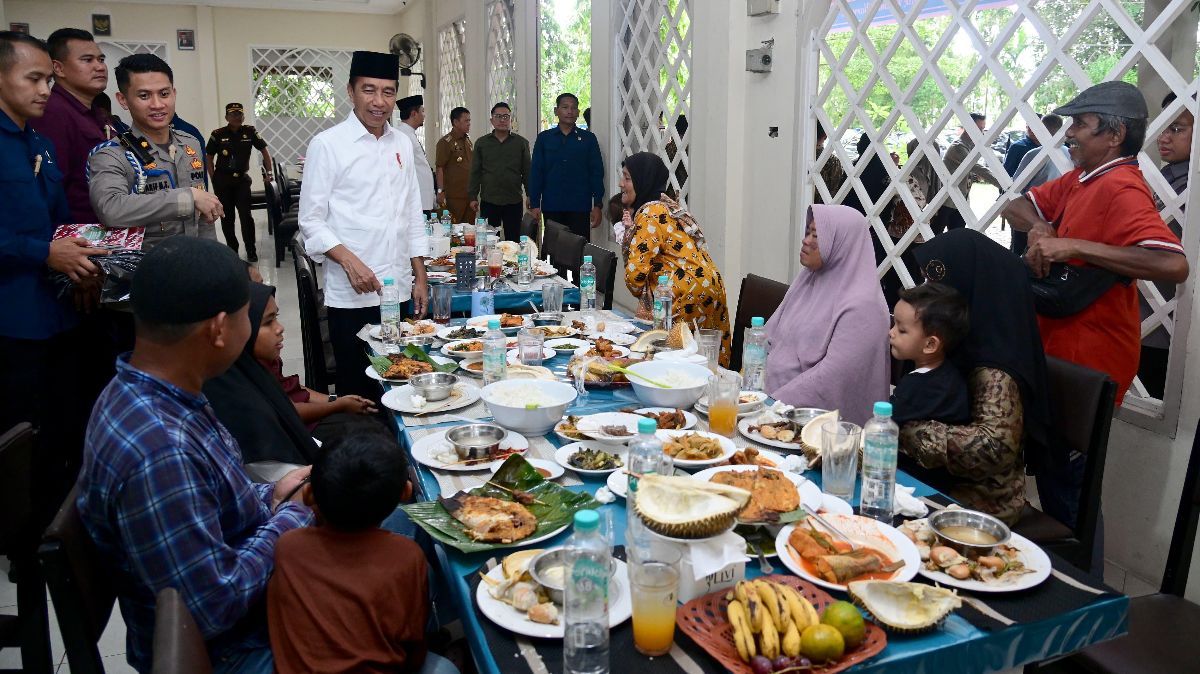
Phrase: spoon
(618,368)
(763,564)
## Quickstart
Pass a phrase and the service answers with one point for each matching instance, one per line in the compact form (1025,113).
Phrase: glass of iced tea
(654,583)
(723,391)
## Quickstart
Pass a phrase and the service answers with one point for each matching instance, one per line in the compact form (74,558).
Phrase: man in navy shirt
(566,179)
(39,356)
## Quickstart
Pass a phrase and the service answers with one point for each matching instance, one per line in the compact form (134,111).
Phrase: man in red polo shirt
(72,121)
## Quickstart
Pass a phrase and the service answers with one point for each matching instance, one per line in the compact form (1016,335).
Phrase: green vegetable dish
(595,459)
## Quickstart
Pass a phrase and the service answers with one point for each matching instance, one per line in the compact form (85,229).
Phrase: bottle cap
(587,258)
(647,426)
(662,279)
(445,213)
(524,238)
(388,282)
(757,322)
(494,324)
(883,409)
(587,520)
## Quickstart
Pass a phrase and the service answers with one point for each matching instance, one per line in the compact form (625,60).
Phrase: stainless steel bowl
(552,558)
(803,415)
(433,385)
(547,319)
(475,441)
(423,342)
(973,519)
(439,267)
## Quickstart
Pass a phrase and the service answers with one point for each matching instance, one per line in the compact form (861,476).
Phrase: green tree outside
(565,63)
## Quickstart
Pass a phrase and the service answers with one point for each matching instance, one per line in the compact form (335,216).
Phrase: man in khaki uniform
(152,177)
(454,168)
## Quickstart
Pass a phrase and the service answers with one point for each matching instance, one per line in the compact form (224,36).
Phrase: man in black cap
(361,208)
(228,152)
(412,114)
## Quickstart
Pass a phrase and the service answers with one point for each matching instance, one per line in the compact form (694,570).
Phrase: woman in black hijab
(982,463)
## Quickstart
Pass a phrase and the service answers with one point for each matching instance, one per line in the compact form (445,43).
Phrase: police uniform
(454,158)
(230,151)
(125,192)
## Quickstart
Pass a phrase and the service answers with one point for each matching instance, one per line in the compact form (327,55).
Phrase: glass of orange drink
(723,391)
(654,582)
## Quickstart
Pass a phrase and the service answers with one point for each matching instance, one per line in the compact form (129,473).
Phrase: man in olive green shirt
(499,170)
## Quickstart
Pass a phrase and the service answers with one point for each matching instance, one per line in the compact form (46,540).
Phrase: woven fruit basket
(703,619)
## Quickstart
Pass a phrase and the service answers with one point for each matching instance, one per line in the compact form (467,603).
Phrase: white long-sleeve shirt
(361,192)
(424,171)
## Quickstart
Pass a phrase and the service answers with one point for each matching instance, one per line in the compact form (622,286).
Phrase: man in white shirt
(412,117)
(360,207)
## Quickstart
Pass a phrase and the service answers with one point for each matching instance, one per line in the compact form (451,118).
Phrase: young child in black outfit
(930,320)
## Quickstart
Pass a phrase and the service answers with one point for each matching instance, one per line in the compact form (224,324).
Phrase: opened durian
(810,437)
(905,608)
(650,341)
(682,507)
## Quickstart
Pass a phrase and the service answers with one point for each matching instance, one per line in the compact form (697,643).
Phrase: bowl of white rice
(528,406)
(685,383)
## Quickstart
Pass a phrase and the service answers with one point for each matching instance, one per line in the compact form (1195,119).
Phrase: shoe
(252,255)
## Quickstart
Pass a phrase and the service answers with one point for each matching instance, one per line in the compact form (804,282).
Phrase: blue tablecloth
(958,646)
(511,298)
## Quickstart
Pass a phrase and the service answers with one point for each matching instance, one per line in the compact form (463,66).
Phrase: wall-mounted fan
(408,50)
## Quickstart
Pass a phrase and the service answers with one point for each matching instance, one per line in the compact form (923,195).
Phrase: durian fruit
(683,507)
(904,608)
(810,437)
(649,341)
(681,336)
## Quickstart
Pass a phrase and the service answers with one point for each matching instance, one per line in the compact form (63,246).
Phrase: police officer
(229,163)
(153,176)
(454,167)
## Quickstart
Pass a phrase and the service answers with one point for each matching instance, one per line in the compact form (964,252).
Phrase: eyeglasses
(1176,130)
(501,118)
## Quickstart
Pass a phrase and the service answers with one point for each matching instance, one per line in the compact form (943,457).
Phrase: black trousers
(350,352)
(234,194)
(578,222)
(508,214)
(947,219)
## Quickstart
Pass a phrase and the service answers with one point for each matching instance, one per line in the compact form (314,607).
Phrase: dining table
(991,632)
(510,295)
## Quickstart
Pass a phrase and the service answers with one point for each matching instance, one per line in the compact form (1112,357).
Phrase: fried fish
(490,519)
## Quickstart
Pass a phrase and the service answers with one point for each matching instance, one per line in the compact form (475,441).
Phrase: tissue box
(439,245)
(690,588)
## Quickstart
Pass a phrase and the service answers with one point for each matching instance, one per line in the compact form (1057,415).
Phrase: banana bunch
(767,618)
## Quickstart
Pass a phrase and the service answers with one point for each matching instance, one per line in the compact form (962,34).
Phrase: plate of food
(401,399)
(879,551)
(510,597)
(547,469)
(784,433)
(1018,564)
(514,355)
(473,368)
(599,374)
(555,332)
(748,401)
(516,507)
(753,456)
(455,333)
(772,492)
(606,328)
(668,418)
(435,451)
(610,428)
(470,349)
(566,345)
(396,368)
(589,458)
(441,264)
(618,481)
(510,324)
(566,429)
(696,449)
(602,348)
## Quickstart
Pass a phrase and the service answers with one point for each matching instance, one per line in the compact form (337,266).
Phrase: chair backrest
(567,254)
(550,237)
(606,272)
(17,530)
(178,643)
(81,586)
(1179,557)
(759,296)
(529,227)
(274,209)
(316,376)
(1082,402)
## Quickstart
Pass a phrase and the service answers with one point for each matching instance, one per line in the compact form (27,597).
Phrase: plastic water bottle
(664,297)
(585,597)
(389,316)
(881,440)
(495,353)
(754,356)
(645,456)
(429,233)
(587,286)
(525,262)
(447,225)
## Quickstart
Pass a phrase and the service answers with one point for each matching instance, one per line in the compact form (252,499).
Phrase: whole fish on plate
(490,519)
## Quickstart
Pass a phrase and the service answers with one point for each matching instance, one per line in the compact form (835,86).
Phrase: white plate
(595,421)
(438,276)
(810,494)
(400,399)
(621,351)
(444,333)
(482,322)
(689,419)
(703,409)
(744,428)
(1034,558)
(572,342)
(727,446)
(743,408)
(556,471)
(616,327)
(618,481)
(863,530)
(427,448)
(567,331)
(448,349)
(618,338)
(514,355)
(835,505)
(374,374)
(376,331)
(564,453)
(513,620)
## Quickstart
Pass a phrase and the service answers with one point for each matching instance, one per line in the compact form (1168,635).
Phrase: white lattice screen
(414,81)
(922,76)
(653,59)
(298,92)
(452,78)
(501,58)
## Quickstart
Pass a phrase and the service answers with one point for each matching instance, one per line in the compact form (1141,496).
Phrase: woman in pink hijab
(828,344)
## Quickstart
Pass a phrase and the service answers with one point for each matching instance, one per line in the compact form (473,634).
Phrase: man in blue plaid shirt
(162,492)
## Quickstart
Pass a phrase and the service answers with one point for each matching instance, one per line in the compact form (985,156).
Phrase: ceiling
(345,6)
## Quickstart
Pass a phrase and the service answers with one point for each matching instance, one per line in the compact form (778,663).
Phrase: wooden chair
(1081,399)
(567,254)
(319,370)
(29,629)
(758,296)
(81,587)
(178,643)
(606,272)
(1158,621)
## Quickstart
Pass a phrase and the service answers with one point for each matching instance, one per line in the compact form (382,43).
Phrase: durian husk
(904,608)
(810,437)
(715,506)
(649,341)
(680,336)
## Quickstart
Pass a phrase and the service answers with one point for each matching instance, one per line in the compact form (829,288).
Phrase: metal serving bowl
(475,441)
(423,342)
(973,519)
(552,558)
(547,319)
(433,385)
(802,415)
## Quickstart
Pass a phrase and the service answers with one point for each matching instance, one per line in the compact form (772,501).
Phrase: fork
(834,530)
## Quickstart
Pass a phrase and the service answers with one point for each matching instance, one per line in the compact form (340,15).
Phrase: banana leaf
(382,363)
(557,509)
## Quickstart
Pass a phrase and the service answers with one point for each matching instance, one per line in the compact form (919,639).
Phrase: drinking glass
(654,584)
(723,391)
(579,372)
(708,342)
(443,301)
(840,442)
(552,293)
(530,345)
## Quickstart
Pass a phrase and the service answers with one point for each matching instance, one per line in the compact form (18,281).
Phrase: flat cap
(1110,98)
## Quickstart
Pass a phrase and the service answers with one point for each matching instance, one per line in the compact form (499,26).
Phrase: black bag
(1067,289)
